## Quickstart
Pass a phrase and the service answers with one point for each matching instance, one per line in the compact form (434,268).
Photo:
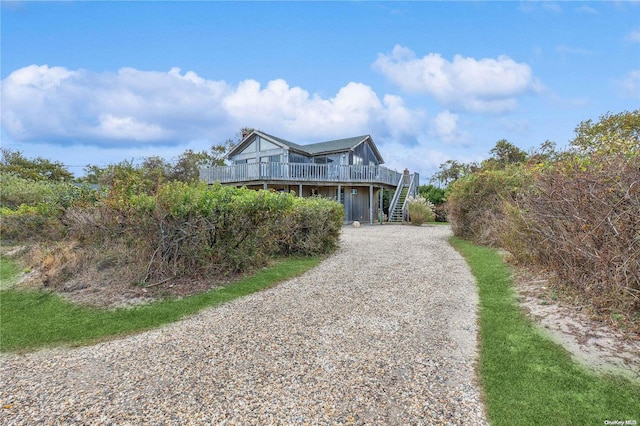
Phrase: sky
(99,82)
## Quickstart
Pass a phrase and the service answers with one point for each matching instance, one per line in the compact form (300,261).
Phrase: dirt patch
(102,290)
(98,282)
(594,344)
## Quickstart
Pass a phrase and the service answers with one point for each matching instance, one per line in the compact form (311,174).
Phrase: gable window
(250,148)
(265,145)
(363,154)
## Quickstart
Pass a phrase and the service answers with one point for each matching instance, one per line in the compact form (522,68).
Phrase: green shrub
(573,213)
(16,191)
(180,230)
(311,227)
(197,230)
(30,224)
(436,196)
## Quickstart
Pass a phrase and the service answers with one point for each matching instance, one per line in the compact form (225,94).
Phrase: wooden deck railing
(299,172)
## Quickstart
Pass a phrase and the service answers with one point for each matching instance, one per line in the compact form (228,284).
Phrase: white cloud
(445,127)
(111,127)
(552,7)
(400,121)
(587,9)
(42,103)
(485,85)
(633,36)
(546,6)
(568,50)
(630,85)
(130,107)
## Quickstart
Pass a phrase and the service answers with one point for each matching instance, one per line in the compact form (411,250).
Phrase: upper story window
(265,145)
(363,154)
(297,158)
(252,147)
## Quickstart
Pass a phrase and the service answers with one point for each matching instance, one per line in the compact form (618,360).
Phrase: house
(348,170)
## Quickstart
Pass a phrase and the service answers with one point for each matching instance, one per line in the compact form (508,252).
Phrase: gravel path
(383,332)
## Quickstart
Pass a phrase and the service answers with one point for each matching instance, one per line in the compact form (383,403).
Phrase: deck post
(380,204)
(264,186)
(300,190)
(339,189)
(370,204)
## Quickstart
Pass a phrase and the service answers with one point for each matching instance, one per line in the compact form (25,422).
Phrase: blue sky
(101,82)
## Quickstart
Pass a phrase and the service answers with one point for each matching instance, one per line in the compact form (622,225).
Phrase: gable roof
(334,145)
(327,147)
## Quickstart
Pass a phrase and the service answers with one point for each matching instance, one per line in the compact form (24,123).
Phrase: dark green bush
(178,231)
(312,226)
(196,230)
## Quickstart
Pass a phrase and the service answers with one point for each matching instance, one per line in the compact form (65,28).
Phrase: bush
(581,220)
(420,210)
(30,224)
(436,196)
(177,231)
(477,204)
(196,230)
(312,227)
(574,213)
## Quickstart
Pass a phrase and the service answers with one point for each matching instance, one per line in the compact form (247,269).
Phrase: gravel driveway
(383,332)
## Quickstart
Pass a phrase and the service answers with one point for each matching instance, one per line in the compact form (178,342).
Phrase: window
(265,145)
(250,148)
(297,158)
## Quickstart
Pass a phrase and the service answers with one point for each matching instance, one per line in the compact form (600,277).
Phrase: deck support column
(339,190)
(370,204)
(380,204)
(300,190)
(264,186)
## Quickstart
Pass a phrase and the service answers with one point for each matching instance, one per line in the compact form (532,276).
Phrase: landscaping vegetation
(528,379)
(573,213)
(168,237)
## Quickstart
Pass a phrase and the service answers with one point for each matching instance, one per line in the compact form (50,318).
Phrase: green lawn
(527,378)
(35,319)
(8,272)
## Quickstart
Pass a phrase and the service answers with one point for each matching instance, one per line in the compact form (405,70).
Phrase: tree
(432,193)
(613,133)
(37,169)
(503,154)
(450,171)
(546,152)
(187,167)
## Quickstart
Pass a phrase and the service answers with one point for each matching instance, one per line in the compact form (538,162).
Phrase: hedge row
(187,230)
(578,216)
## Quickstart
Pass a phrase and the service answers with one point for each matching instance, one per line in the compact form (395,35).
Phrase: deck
(300,173)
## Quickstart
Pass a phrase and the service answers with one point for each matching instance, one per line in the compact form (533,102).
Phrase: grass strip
(8,272)
(527,378)
(35,319)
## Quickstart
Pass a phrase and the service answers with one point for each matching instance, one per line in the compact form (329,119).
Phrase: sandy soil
(592,343)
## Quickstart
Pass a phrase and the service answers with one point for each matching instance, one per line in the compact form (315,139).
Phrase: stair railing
(396,197)
(410,193)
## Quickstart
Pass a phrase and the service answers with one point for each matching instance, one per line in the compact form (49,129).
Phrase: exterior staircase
(397,215)
(407,187)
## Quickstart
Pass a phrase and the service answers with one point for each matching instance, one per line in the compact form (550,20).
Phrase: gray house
(348,170)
